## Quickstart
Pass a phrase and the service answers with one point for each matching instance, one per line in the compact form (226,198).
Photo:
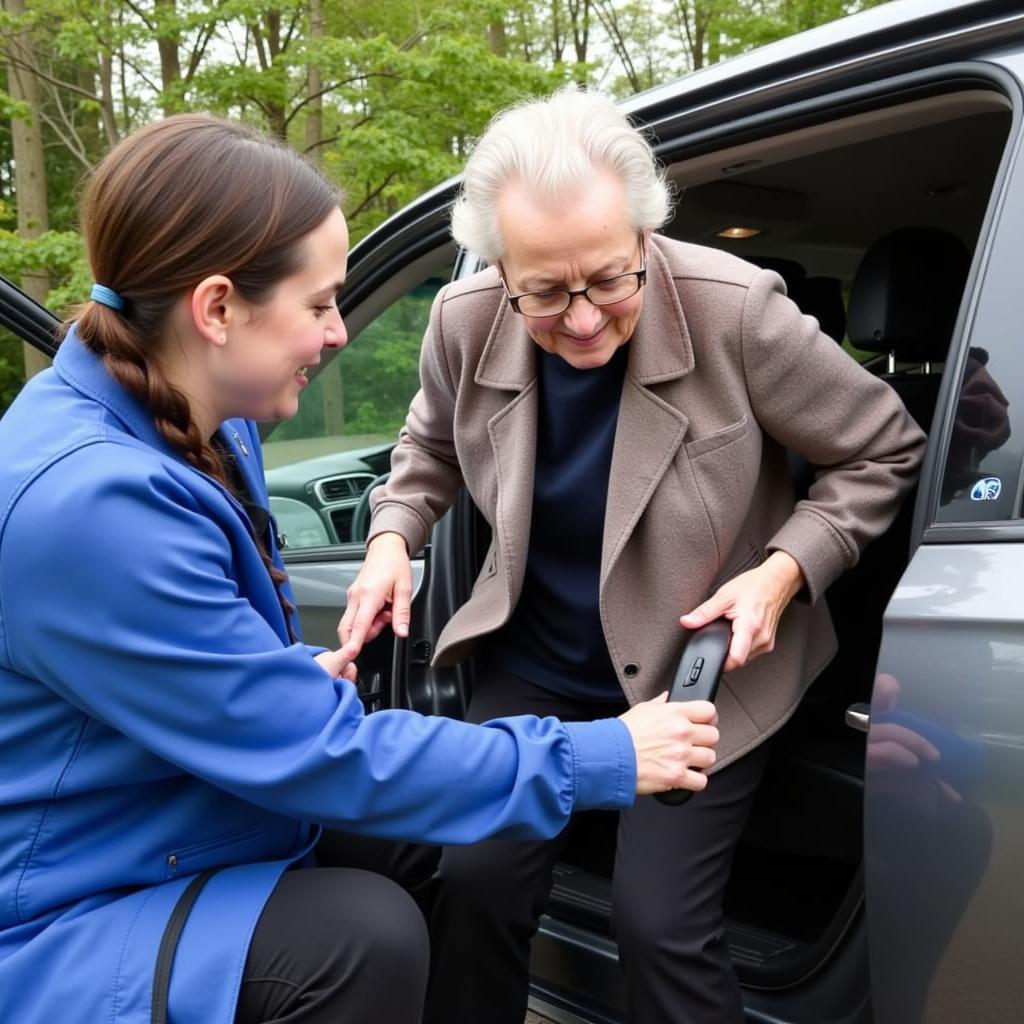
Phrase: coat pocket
(744,555)
(719,439)
(186,860)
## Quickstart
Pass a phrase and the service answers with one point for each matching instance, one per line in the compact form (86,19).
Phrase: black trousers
(346,942)
(671,868)
(342,945)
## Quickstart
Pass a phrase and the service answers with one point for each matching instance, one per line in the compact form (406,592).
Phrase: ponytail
(111,336)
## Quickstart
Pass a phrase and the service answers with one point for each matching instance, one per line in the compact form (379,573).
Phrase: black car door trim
(832,106)
(26,318)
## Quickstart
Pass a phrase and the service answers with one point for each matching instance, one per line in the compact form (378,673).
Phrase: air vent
(342,488)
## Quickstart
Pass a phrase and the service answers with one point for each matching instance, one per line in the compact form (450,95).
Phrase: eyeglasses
(600,293)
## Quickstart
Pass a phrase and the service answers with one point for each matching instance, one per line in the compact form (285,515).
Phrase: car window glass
(982,467)
(319,463)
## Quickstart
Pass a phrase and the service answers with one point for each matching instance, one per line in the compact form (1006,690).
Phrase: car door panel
(320,588)
(945,749)
(944,810)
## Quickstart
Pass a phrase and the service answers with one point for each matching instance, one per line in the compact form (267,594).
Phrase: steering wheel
(361,513)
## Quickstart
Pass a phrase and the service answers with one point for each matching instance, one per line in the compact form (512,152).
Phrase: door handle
(858,716)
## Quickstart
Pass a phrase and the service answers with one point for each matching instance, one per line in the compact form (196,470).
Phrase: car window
(872,221)
(981,480)
(320,463)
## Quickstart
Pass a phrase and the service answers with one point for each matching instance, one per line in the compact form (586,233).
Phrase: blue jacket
(156,721)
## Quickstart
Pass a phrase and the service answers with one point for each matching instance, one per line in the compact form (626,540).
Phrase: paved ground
(533,1018)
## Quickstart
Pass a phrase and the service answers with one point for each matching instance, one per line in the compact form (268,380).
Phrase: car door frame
(948,641)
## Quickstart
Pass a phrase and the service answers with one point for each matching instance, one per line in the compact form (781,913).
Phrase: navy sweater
(554,638)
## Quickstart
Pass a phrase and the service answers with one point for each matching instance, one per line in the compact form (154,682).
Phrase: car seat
(822,298)
(903,303)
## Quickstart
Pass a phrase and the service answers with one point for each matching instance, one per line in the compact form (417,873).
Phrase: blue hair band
(106,297)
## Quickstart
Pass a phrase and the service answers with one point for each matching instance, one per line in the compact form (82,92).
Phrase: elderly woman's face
(575,242)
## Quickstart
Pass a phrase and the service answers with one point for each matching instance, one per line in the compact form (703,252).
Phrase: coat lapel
(650,430)
(509,365)
(647,438)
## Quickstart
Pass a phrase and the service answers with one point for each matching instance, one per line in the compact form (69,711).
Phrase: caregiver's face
(572,242)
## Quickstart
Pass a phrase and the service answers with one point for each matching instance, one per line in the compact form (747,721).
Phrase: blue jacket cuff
(604,764)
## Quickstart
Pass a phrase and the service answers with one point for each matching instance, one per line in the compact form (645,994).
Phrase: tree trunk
(107,98)
(698,45)
(557,32)
(168,43)
(277,115)
(579,13)
(332,387)
(90,131)
(29,167)
(498,38)
(333,391)
(314,84)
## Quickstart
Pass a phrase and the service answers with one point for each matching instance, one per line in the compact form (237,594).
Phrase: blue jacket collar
(86,372)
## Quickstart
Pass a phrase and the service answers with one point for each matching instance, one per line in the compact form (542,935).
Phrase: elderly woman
(619,406)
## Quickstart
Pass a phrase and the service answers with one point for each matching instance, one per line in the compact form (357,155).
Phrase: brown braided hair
(177,201)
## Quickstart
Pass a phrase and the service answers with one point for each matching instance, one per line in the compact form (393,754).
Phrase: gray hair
(549,145)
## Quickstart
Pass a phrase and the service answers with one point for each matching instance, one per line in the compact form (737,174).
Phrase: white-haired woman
(619,406)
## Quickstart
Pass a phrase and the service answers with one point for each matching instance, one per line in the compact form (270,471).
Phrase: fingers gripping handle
(697,678)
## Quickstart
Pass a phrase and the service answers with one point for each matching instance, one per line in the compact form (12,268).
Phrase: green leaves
(58,253)
(387,97)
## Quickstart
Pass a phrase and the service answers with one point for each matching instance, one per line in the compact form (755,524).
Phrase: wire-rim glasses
(556,301)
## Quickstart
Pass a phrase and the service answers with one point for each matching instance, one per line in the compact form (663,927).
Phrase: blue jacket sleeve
(121,596)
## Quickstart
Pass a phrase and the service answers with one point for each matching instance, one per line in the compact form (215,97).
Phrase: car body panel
(944,835)
(944,829)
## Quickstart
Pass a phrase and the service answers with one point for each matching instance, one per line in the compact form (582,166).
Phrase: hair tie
(106,297)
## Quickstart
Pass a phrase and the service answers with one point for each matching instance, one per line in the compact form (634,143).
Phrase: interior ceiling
(825,208)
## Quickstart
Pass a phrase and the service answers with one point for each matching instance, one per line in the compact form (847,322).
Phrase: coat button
(630,670)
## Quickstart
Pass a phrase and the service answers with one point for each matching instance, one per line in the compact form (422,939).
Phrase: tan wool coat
(724,375)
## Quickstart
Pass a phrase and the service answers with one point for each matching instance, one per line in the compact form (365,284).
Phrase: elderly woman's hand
(754,602)
(381,593)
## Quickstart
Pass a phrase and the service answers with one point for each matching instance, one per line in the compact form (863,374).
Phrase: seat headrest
(906,294)
(822,298)
(789,270)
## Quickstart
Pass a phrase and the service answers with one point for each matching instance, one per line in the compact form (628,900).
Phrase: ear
(213,308)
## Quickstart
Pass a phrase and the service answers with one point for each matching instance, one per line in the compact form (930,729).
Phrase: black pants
(671,868)
(341,945)
(347,944)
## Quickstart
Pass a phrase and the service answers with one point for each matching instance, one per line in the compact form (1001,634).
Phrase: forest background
(387,97)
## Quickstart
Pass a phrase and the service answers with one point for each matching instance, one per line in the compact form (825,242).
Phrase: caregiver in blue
(169,748)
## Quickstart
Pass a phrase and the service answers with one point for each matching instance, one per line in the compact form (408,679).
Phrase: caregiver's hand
(674,743)
(754,602)
(381,593)
(338,664)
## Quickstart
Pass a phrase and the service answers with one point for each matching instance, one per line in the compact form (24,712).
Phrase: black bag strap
(169,945)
